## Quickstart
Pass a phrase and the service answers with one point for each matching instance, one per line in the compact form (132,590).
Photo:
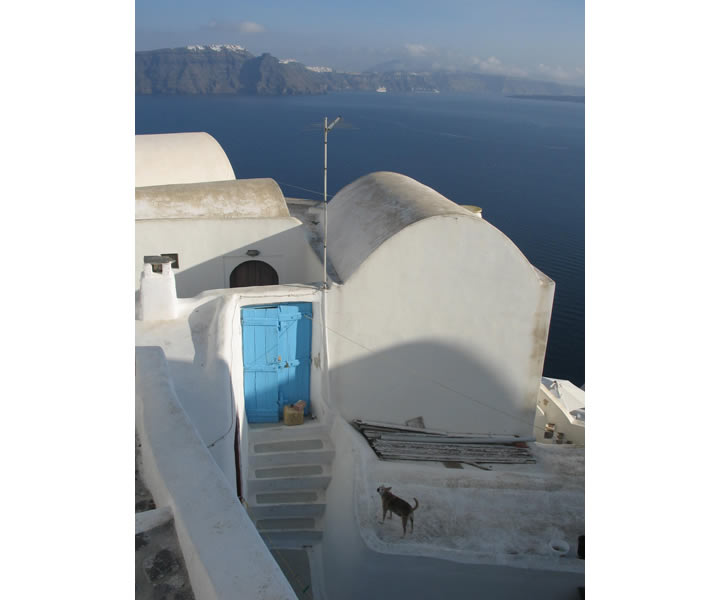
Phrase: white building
(430,312)
(422,290)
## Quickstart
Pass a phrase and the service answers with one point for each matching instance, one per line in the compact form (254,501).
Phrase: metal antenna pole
(325,219)
(325,284)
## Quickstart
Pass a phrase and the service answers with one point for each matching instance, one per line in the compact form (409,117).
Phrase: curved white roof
(236,199)
(372,209)
(171,158)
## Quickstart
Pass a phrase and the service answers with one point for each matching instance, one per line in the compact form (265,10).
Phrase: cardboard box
(292,415)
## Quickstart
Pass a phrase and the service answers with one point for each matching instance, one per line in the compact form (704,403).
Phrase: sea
(521,161)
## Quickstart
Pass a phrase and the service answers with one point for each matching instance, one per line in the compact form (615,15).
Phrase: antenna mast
(325,220)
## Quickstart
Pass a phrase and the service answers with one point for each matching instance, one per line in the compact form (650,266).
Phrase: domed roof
(171,158)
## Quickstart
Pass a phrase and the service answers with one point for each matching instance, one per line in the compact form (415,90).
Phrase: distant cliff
(226,69)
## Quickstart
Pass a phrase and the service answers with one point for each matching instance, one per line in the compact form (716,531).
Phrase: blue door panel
(276,359)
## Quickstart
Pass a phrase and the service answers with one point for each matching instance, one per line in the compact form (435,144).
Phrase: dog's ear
(388,489)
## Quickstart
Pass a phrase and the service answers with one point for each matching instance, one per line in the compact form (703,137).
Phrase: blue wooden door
(276,359)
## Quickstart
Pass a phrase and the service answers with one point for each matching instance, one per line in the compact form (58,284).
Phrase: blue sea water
(521,161)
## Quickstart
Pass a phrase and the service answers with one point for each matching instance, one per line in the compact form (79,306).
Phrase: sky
(538,39)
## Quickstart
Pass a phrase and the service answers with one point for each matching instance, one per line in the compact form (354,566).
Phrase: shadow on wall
(287,252)
(204,386)
(449,388)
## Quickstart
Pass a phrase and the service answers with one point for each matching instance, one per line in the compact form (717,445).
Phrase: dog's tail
(416,505)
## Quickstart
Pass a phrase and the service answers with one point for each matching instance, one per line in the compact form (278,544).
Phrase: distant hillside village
(231,69)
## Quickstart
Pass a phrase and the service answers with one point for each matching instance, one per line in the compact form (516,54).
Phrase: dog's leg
(404,520)
(412,523)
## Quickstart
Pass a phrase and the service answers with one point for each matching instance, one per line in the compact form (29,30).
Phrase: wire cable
(330,196)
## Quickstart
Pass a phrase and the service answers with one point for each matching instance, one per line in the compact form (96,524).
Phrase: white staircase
(290,469)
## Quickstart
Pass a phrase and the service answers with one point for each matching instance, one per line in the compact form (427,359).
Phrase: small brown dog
(390,502)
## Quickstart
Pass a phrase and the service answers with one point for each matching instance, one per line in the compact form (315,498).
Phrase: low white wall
(199,353)
(223,552)
(549,412)
(353,570)
(209,249)
(446,320)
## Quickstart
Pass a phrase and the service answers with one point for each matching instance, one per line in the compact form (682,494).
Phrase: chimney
(158,297)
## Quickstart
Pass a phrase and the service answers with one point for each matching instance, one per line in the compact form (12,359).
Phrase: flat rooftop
(508,515)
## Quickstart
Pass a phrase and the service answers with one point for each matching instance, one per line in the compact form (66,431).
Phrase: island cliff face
(233,70)
(224,71)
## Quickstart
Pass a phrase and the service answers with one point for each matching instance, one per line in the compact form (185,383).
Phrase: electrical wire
(330,196)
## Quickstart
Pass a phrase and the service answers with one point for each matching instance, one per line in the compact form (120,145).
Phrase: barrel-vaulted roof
(236,199)
(372,209)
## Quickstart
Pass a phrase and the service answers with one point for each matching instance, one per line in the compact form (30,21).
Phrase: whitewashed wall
(446,320)
(209,249)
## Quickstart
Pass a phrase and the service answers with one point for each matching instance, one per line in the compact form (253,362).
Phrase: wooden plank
(474,463)
(447,452)
(452,452)
(360,424)
(465,459)
(441,439)
(490,449)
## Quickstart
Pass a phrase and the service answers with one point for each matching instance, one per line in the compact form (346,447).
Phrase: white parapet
(158,296)
(225,556)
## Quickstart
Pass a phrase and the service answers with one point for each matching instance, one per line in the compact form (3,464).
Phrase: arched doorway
(253,272)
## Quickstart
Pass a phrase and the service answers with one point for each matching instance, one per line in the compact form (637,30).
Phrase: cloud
(237,27)
(557,73)
(250,27)
(416,49)
(495,66)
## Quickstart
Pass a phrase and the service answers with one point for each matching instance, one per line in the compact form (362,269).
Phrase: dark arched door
(253,272)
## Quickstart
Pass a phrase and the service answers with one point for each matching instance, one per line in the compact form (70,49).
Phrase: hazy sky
(541,39)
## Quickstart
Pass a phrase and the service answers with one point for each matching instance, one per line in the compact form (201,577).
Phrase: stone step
(291,539)
(288,510)
(316,496)
(280,432)
(276,459)
(316,451)
(286,524)
(277,446)
(295,477)
(283,471)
